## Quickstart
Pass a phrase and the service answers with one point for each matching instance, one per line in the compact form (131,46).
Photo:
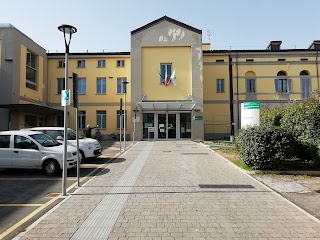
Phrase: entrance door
(162,126)
(172,128)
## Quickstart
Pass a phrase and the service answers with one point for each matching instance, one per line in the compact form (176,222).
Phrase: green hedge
(303,119)
(264,147)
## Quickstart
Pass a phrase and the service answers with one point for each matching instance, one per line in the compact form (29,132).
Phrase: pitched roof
(166,18)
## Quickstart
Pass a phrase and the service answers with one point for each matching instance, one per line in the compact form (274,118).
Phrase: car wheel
(51,167)
(83,157)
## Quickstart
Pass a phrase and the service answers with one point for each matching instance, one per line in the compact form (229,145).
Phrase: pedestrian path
(174,190)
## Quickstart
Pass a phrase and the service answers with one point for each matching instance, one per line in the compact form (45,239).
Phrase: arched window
(282,73)
(304,73)
(250,82)
(305,81)
(282,84)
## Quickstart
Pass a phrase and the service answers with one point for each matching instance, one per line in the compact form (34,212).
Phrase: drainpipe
(238,110)
(231,99)
(318,92)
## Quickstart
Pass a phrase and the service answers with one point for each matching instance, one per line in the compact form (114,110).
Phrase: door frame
(156,125)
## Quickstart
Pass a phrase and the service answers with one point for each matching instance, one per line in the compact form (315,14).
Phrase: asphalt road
(25,195)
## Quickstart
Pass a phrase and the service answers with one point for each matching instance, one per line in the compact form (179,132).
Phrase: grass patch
(220,143)
(233,156)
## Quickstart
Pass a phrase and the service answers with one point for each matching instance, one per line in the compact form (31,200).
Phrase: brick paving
(153,192)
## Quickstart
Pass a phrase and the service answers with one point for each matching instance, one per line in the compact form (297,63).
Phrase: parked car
(88,148)
(34,150)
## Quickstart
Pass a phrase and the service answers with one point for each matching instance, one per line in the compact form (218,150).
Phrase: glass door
(148,121)
(162,123)
(185,125)
(172,130)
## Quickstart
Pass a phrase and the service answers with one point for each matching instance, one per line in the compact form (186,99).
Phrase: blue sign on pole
(65,97)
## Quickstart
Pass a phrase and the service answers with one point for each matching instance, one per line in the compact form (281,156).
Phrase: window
(281,59)
(304,59)
(102,119)
(101,63)
(121,86)
(251,85)
(82,86)
(81,64)
(22,142)
(282,84)
(120,63)
(249,60)
(165,70)
(31,71)
(118,119)
(61,64)
(219,60)
(60,85)
(220,85)
(54,133)
(4,141)
(101,85)
(305,81)
(82,119)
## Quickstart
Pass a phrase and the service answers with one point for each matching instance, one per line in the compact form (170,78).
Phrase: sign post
(250,114)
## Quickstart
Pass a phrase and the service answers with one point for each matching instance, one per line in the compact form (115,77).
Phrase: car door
(25,153)
(5,151)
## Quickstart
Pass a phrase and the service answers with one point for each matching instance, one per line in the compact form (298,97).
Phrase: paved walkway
(174,190)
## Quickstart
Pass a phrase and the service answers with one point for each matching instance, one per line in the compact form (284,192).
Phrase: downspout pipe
(231,99)
(317,67)
(238,108)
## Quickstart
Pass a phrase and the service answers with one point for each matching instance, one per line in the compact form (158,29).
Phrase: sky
(105,25)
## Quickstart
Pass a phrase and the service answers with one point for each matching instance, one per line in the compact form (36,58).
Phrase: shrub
(264,147)
(271,116)
(303,119)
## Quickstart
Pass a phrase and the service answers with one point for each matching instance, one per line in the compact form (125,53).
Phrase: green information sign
(251,105)
(197,117)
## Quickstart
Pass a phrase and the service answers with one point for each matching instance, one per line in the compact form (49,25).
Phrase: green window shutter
(289,85)
(276,85)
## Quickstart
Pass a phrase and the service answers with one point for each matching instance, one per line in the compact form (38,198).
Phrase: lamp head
(67,29)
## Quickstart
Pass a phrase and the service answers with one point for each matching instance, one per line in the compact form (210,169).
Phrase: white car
(88,147)
(34,150)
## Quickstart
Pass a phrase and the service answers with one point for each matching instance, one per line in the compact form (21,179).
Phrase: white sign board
(250,114)
(65,98)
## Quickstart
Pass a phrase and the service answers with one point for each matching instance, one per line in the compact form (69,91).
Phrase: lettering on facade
(173,35)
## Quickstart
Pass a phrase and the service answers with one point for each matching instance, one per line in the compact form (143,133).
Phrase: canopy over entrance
(166,106)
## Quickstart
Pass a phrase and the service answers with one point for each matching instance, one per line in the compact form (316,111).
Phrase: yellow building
(23,76)
(176,87)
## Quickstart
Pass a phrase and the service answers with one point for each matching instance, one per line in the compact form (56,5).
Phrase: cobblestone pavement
(174,190)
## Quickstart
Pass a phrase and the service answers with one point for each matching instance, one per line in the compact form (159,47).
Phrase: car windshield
(45,140)
(72,135)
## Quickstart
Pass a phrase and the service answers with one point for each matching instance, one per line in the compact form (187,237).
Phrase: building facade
(23,76)
(172,85)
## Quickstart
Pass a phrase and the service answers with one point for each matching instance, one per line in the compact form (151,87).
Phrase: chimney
(274,45)
(315,45)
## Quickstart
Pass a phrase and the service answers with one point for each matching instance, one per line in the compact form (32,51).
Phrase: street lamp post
(124,115)
(67,30)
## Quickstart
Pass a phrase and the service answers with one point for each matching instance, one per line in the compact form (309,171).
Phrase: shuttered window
(305,88)
(283,85)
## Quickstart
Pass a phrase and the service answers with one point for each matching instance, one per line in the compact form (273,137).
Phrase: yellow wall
(213,72)
(24,91)
(91,101)
(180,58)
(216,112)
(217,118)
(267,71)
